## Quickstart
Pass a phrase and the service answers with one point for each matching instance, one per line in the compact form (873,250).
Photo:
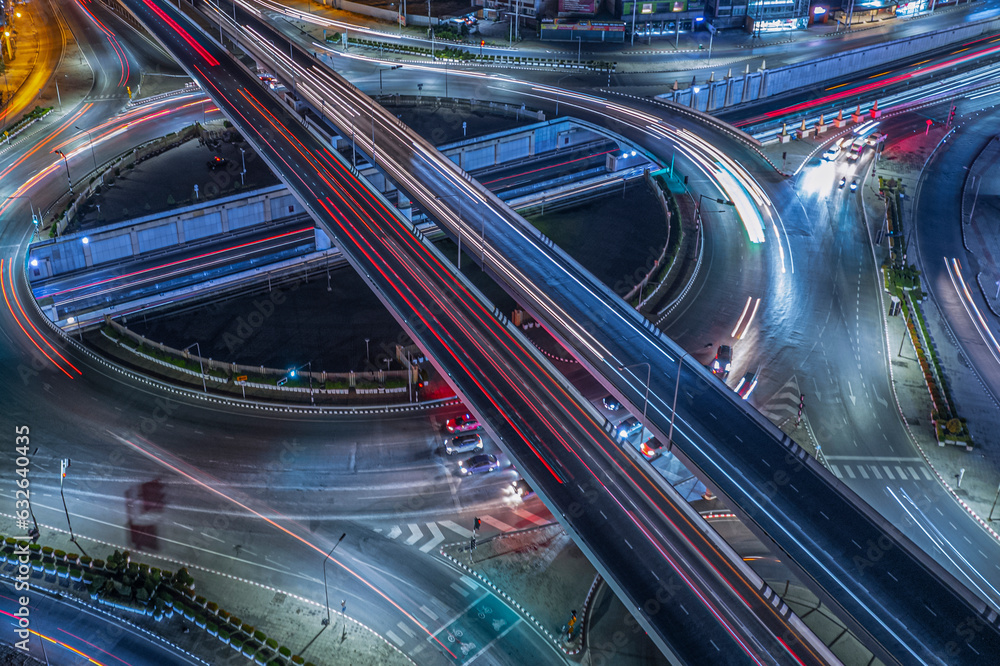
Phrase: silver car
(480,464)
(463,443)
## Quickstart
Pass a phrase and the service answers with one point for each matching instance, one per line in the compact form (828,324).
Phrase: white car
(832,153)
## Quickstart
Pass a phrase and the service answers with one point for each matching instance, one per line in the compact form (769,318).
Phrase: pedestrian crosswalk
(880,469)
(426,537)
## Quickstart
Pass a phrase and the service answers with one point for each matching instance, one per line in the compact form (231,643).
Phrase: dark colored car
(480,464)
(723,362)
(522,488)
(463,443)
(611,403)
(628,427)
(217,162)
(465,423)
(746,386)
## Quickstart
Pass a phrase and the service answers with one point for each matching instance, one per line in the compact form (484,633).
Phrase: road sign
(241,378)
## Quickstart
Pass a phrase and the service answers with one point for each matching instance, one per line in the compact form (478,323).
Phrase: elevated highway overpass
(899,601)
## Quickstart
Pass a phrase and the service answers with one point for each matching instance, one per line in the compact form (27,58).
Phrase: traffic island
(949,428)
(539,572)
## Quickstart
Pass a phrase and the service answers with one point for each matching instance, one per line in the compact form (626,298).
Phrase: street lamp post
(92,153)
(458,232)
(63,466)
(201,364)
(243,161)
(326,587)
(673,409)
(649,377)
(66,162)
(724,202)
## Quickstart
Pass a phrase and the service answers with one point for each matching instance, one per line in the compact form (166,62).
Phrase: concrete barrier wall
(376,12)
(752,86)
(150,233)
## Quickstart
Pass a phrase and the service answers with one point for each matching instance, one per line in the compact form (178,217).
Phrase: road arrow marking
(394,532)
(851,395)
(880,399)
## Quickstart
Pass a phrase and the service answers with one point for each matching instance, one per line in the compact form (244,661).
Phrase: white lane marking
(436,538)
(415,534)
(499,524)
(527,515)
(456,528)
(395,639)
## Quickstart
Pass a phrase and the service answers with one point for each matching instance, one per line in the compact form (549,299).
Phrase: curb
(235,402)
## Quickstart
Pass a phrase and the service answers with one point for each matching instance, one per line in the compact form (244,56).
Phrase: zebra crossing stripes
(436,538)
(499,524)
(881,472)
(456,528)
(527,515)
(429,536)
